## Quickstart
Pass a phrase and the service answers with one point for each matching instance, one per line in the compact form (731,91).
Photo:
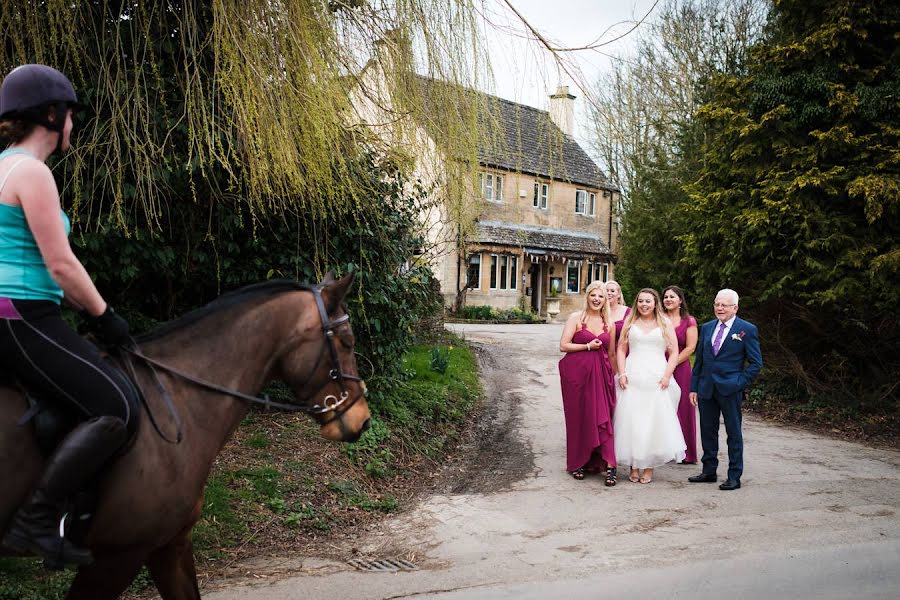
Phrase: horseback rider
(37,270)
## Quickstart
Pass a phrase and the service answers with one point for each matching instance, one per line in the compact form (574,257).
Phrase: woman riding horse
(37,270)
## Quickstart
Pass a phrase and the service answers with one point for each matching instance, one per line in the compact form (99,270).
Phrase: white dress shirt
(728,324)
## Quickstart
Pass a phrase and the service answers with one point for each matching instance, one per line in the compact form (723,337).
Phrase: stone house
(546,223)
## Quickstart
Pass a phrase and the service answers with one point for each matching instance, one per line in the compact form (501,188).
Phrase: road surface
(816,517)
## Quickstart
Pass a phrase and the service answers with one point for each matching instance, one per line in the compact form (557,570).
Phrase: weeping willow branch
(245,97)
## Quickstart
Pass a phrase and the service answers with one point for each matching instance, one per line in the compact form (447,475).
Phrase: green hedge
(489,313)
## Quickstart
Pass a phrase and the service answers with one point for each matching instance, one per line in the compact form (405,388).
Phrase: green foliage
(220,526)
(152,277)
(356,497)
(27,579)
(422,409)
(440,359)
(371,450)
(482,312)
(258,440)
(787,188)
(198,90)
(489,313)
(799,195)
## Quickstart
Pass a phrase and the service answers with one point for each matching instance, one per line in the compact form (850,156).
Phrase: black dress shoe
(703,478)
(730,484)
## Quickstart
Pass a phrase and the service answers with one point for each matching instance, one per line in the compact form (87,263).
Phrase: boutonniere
(738,336)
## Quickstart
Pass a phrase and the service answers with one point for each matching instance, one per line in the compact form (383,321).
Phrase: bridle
(331,403)
(337,405)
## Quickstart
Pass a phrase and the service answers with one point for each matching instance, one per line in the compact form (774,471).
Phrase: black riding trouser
(53,360)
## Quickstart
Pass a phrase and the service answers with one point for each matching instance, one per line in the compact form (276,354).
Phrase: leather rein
(330,404)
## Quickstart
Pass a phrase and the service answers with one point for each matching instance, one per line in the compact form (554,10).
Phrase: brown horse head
(332,390)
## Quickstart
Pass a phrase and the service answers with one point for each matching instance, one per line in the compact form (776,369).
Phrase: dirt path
(512,515)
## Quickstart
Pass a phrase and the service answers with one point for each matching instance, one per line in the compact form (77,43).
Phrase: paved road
(816,518)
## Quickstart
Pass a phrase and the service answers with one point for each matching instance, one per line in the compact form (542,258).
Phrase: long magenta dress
(589,401)
(687,414)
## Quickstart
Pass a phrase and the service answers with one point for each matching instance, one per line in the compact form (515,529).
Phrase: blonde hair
(621,298)
(604,310)
(661,318)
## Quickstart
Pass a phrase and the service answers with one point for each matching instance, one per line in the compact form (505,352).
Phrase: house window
(504,270)
(473,277)
(541,193)
(580,198)
(491,186)
(592,204)
(573,277)
(597,272)
(493,271)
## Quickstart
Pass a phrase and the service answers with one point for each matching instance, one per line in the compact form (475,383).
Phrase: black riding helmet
(32,92)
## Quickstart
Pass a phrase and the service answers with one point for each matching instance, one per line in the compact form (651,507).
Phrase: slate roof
(538,238)
(528,141)
(523,139)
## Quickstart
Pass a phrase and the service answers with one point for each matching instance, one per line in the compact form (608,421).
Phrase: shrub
(482,313)
(440,359)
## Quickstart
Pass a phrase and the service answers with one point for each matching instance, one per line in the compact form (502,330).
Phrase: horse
(214,360)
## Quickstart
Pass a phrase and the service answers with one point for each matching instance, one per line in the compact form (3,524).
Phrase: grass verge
(278,488)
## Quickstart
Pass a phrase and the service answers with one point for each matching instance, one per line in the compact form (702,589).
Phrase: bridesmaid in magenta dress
(586,376)
(686,332)
(618,311)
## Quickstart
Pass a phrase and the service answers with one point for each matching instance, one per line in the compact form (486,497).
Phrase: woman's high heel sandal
(610,476)
(578,474)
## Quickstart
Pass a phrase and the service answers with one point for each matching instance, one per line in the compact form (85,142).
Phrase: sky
(527,74)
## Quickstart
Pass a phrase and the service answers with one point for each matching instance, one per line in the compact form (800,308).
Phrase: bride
(646,419)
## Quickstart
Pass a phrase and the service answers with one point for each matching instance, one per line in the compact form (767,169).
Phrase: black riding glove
(111,329)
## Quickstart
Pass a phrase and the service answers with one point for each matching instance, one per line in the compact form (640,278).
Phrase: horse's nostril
(365,426)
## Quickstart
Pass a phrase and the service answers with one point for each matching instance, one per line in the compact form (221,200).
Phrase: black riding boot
(35,527)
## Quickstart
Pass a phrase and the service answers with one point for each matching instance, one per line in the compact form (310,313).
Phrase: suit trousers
(729,406)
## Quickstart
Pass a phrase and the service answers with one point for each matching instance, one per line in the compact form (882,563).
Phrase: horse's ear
(334,291)
(329,277)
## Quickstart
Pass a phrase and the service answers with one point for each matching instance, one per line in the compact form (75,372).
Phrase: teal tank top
(23,273)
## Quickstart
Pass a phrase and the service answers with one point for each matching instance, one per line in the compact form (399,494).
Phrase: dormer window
(491,186)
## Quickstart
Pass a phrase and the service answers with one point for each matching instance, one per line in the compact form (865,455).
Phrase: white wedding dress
(647,432)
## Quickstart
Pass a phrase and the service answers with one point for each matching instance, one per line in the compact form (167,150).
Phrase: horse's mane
(224,302)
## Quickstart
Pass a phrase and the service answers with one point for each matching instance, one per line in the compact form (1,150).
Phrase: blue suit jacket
(737,364)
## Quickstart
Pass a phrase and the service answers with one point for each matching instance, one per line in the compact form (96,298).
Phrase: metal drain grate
(384,565)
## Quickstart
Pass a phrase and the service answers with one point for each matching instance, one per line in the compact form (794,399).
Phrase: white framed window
(573,277)
(493,271)
(473,273)
(491,186)
(597,272)
(580,201)
(541,194)
(504,271)
(592,204)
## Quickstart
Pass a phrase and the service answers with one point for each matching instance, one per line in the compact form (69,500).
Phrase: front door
(536,280)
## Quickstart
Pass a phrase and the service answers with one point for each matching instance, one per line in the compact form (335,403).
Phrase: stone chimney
(562,110)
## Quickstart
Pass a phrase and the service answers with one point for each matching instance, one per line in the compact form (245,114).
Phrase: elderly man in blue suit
(728,359)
